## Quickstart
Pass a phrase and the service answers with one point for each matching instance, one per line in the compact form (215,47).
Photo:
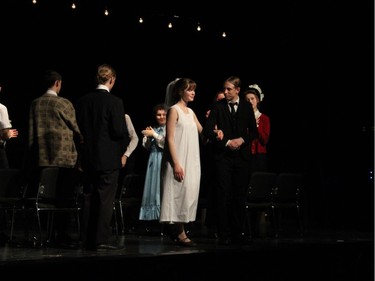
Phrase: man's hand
(9,133)
(235,144)
(123,160)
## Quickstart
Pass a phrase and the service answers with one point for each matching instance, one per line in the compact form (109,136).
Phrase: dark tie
(232,110)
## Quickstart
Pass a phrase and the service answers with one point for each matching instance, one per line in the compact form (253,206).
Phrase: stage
(318,255)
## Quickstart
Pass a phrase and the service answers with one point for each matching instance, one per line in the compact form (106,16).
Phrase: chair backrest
(48,183)
(261,186)
(10,183)
(288,187)
(132,186)
(78,195)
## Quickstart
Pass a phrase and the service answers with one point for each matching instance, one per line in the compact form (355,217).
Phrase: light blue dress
(150,207)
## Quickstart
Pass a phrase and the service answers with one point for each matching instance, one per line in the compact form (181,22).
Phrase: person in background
(208,180)
(100,116)
(153,141)
(127,159)
(232,158)
(218,96)
(6,133)
(254,95)
(181,167)
(54,138)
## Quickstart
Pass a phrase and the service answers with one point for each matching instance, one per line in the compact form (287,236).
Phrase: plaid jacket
(53,132)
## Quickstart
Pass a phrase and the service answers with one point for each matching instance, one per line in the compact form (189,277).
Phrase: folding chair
(44,200)
(259,198)
(129,195)
(11,195)
(287,195)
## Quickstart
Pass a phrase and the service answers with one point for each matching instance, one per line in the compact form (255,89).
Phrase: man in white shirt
(6,133)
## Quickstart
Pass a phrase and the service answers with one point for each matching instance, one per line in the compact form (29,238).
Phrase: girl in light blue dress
(153,141)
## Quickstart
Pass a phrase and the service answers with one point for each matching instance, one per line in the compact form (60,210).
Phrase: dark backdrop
(313,60)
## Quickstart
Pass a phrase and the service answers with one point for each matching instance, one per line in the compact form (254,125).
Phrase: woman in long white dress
(181,168)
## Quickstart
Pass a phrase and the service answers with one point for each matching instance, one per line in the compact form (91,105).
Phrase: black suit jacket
(100,117)
(244,125)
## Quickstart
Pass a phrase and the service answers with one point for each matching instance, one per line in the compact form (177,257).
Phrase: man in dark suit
(235,117)
(100,116)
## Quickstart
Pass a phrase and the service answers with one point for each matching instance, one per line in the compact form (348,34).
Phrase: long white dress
(180,199)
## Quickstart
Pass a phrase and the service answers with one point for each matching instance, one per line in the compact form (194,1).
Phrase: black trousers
(4,164)
(232,174)
(99,193)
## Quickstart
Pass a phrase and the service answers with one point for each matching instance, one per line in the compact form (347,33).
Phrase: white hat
(258,90)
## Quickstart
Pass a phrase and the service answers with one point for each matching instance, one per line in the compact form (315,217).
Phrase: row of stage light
(141,20)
